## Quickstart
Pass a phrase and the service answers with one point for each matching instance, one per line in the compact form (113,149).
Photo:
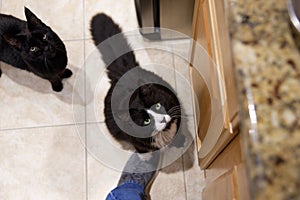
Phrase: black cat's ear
(15,42)
(32,20)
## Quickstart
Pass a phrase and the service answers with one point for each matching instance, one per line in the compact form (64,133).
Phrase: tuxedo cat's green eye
(147,121)
(157,106)
(34,49)
(45,37)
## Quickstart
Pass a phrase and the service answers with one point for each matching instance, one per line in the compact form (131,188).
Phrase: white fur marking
(161,120)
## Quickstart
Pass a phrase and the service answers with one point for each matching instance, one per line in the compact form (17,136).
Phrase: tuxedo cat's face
(154,119)
(40,47)
(158,117)
(153,107)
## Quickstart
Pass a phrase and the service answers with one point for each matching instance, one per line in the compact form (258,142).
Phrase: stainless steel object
(156,15)
(294,12)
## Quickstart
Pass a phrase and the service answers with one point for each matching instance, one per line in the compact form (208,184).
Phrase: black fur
(31,45)
(103,28)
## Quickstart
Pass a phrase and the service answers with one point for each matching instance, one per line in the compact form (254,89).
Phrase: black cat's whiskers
(46,63)
(61,49)
(57,46)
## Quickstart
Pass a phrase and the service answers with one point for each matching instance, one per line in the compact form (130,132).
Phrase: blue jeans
(127,191)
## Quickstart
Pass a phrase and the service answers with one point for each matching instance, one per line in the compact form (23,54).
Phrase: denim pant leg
(127,191)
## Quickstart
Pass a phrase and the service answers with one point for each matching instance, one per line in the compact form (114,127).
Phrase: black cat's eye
(147,121)
(34,49)
(157,106)
(45,37)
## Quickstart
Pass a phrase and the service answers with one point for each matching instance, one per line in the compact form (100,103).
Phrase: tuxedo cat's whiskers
(175,108)
(178,114)
(175,111)
(181,116)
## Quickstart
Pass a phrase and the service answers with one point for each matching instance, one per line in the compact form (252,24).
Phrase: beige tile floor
(43,134)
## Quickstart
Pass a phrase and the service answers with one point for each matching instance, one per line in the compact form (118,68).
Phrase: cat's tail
(116,52)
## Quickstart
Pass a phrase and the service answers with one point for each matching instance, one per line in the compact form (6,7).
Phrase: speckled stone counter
(267,65)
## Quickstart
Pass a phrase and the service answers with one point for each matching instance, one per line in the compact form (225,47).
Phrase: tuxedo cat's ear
(144,89)
(14,41)
(32,20)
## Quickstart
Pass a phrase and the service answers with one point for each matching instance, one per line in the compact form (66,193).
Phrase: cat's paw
(66,74)
(57,86)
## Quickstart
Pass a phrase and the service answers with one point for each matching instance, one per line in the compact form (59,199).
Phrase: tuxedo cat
(142,109)
(31,45)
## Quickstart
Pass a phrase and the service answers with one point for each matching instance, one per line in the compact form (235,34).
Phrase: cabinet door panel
(221,189)
(210,31)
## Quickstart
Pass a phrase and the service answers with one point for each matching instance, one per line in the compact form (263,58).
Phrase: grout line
(77,40)
(174,65)
(50,126)
(72,40)
(42,126)
(182,157)
(184,178)
(85,109)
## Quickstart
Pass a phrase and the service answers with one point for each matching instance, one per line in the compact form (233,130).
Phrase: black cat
(140,107)
(34,47)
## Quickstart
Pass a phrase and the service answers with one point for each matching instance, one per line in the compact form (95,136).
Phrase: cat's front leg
(66,74)
(0,72)
(57,85)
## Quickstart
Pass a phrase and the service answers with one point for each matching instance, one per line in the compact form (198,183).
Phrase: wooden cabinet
(211,32)
(223,163)
(226,176)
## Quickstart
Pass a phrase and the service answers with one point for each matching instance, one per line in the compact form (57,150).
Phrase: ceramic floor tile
(101,179)
(32,99)
(122,13)
(97,83)
(42,163)
(183,85)
(104,148)
(105,161)
(160,62)
(194,176)
(65,17)
(169,183)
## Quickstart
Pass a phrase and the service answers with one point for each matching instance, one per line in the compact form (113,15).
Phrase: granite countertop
(267,64)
